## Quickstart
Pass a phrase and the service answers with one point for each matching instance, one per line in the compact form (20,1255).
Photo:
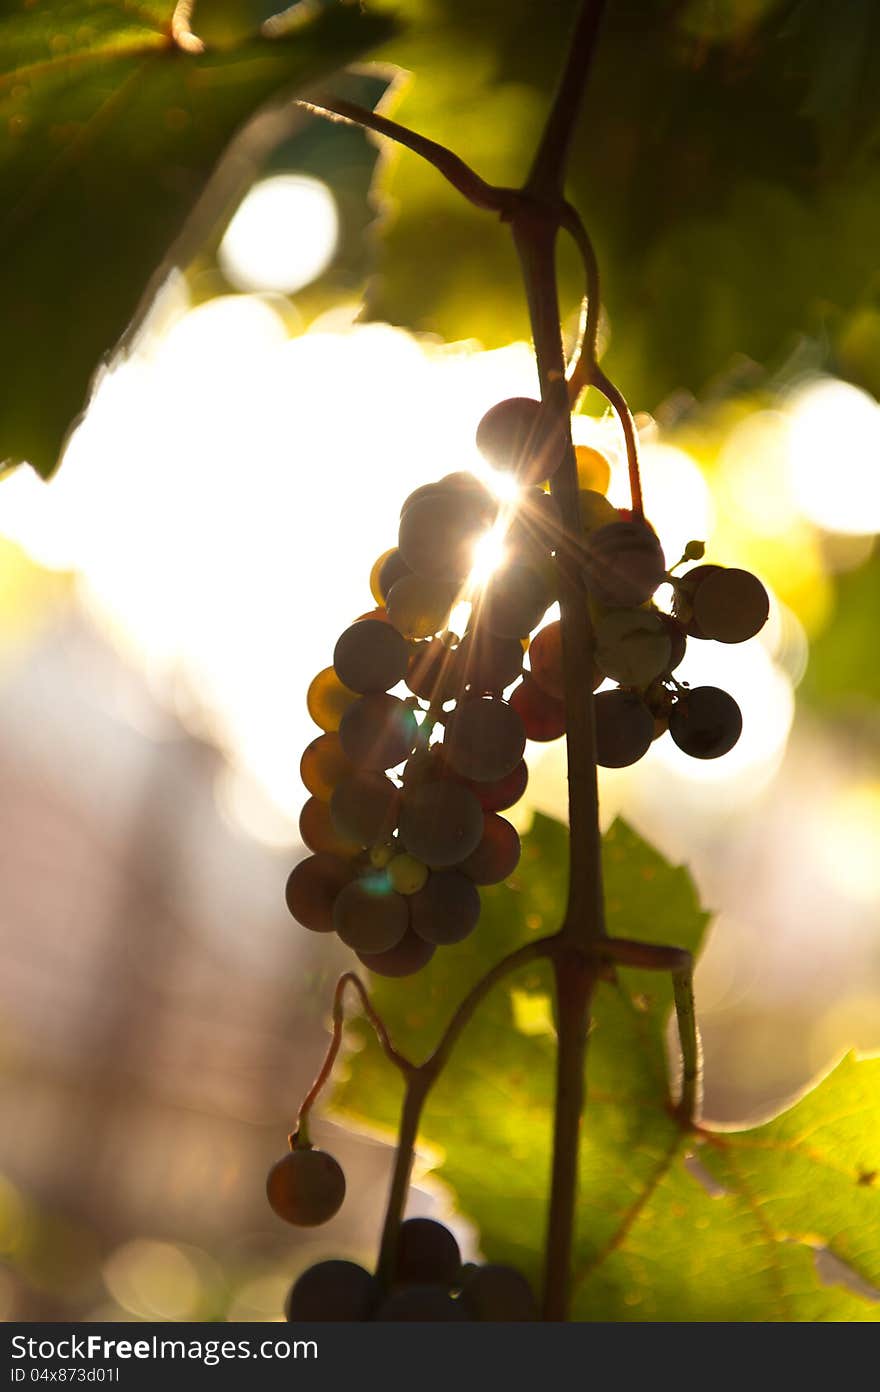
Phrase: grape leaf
(715,1225)
(703,166)
(108,136)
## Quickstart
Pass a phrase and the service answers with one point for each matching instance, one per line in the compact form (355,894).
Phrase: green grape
(433,672)
(323,765)
(328,700)
(381,856)
(596,511)
(339,1291)
(543,717)
(421,1305)
(487,662)
(312,888)
(447,909)
(407,875)
(427,1254)
(306,1187)
(440,823)
(513,601)
(593,469)
(497,855)
(417,607)
(705,722)
(624,728)
(624,563)
(378,732)
(363,807)
(371,656)
(485,740)
(404,959)
(730,605)
(496,1293)
(319,834)
(632,646)
(438,534)
(369,916)
(504,792)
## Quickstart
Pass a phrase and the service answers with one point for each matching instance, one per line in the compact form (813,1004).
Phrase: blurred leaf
(843,675)
(656,1238)
(701,166)
(108,135)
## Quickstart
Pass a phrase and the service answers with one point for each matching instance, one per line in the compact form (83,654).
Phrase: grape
(427,1254)
(446,910)
(497,855)
(379,615)
(508,432)
(418,607)
(624,563)
(438,534)
(433,672)
(632,646)
(328,700)
(535,528)
(677,641)
(407,957)
(323,764)
(421,1305)
(542,716)
(498,1293)
(730,605)
(369,916)
(378,731)
(705,722)
(624,728)
(686,587)
(370,656)
(487,662)
(306,1187)
(481,499)
(440,823)
(407,875)
(485,739)
(513,601)
(339,1291)
(318,832)
(392,569)
(504,792)
(363,807)
(545,659)
(596,511)
(593,469)
(376,589)
(312,888)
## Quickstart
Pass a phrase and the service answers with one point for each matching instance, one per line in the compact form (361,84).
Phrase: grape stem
(299,1136)
(580,952)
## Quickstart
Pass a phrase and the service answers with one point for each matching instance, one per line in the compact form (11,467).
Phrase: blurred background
(164,604)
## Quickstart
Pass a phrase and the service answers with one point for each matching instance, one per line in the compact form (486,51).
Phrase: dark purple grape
(306,1187)
(370,656)
(705,722)
(338,1291)
(427,1254)
(405,959)
(624,728)
(624,563)
(447,909)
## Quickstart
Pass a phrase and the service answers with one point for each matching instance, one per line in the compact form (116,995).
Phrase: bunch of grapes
(432,694)
(428,1281)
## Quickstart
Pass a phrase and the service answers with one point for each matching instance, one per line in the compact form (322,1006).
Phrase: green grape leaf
(672,1225)
(108,136)
(713,234)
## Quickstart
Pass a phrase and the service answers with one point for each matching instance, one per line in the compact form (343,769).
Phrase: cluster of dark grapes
(406,789)
(428,1281)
